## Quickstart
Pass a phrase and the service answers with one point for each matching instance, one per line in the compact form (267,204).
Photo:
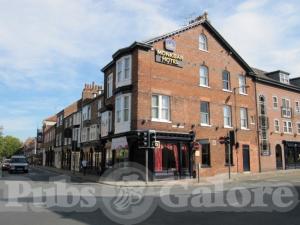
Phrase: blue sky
(50,48)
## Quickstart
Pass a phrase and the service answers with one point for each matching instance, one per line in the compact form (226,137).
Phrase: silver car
(18,163)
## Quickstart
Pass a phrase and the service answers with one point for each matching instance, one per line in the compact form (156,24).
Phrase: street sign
(222,140)
(156,144)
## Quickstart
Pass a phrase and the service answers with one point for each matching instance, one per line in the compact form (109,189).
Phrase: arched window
(203,76)
(203,42)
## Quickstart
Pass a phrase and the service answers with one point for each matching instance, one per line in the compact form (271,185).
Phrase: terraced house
(190,87)
(278,104)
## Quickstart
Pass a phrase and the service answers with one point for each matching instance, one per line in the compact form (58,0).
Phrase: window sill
(205,125)
(288,133)
(225,90)
(161,121)
(227,164)
(246,129)
(202,50)
(205,166)
(245,94)
(200,85)
(228,127)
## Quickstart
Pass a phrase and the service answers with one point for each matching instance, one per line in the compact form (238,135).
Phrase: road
(37,214)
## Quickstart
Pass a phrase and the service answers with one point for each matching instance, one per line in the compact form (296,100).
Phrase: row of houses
(191,88)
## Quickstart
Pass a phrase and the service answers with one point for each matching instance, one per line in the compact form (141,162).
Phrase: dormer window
(284,78)
(203,42)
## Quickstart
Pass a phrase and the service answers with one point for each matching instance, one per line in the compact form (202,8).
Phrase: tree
(9,145)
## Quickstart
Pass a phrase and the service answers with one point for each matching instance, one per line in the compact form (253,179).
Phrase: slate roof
(195,23)
(261,75)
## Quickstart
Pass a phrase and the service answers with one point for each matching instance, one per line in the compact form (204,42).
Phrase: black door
(278,157)
(246,158)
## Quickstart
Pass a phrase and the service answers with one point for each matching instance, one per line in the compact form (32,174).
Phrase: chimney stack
(91,91)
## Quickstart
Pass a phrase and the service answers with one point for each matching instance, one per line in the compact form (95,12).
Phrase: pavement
(235,177)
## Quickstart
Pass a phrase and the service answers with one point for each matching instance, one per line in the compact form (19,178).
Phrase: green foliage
(9,145)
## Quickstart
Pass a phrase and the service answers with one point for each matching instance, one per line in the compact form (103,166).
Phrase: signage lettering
(168,58)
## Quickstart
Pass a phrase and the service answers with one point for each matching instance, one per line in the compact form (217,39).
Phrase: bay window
(122,113)
(109,85)
(123,71)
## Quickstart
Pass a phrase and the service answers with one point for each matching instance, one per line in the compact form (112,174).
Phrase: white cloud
(43,40)
(251,5)
(263,33)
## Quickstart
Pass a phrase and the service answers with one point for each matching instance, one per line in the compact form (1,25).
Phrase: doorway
(278,151)
(246,158)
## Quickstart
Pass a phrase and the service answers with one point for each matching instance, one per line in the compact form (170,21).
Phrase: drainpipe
(257,126)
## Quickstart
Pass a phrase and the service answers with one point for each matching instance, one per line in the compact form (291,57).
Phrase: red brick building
(190,86)
(278,105)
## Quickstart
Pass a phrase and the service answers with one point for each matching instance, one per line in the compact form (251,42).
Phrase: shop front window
(167,158)
(121,155)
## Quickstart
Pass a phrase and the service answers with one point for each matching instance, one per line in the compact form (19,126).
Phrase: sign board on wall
(168,58)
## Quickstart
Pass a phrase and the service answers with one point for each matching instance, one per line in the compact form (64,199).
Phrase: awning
(119,143)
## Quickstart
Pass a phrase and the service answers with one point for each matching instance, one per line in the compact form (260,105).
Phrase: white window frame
(275,103)
(297,107)
(99,105)
(298,127)
(206,114)
(203,45)
(204,76)
(225,117)
(121,123)
(287,129)
(244,112)
(106,123)
(276,126)
(110,85)
(227,81)
(284,78)
(286,110)
(161,108)
(86,112)
(122,70)
(242,86)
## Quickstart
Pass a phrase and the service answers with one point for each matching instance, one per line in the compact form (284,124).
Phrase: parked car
(18,163)
(5,164)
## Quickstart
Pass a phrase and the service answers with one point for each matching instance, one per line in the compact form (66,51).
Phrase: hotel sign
(168,58)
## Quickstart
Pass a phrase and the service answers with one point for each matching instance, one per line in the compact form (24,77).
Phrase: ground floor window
(228,152)
(170,158)
(205,154)
(121,155)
